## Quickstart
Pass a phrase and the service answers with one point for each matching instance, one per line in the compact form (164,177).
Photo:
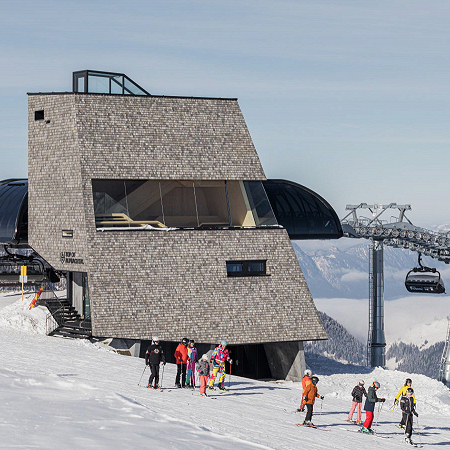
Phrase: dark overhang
(301,211)
(14,211)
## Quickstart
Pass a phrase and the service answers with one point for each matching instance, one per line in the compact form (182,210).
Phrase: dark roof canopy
(14,211)
(304,214)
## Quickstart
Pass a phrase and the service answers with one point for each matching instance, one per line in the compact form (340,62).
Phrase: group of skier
(405,398)
(186,357)
(187,361)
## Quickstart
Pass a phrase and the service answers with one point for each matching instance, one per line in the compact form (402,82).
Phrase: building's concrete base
(286,360)
(128,347)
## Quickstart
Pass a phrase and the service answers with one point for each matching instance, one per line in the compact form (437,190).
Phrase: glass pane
(241,214)
(116,85)
(98,85)
(211,203)
(144,203)
(131,88)
(80,84)
(259,204)
(256,266)
(110,205)
(179,204)
(234,267)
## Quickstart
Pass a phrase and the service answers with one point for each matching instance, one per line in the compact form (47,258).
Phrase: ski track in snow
(65,394)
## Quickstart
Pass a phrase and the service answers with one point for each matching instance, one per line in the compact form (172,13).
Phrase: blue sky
(349,98)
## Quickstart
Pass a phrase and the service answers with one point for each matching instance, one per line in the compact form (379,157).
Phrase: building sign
(70,258)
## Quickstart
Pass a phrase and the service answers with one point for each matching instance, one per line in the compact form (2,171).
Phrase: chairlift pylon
(425,280)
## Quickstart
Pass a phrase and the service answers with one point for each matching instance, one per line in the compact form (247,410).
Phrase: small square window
(39,115)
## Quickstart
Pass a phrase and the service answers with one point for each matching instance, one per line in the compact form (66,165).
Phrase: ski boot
(222,387)
(211,388)
(366,430)
(359,422)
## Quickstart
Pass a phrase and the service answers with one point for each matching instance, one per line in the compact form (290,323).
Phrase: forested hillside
(341,345)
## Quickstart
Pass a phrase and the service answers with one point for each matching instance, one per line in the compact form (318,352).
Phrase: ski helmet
(155,339)
(223,343)
(410,391)
(314,380)
(185,341)
(191,342)
(376,384)
(361,382)
(307,372)
(205,357)
(408,380)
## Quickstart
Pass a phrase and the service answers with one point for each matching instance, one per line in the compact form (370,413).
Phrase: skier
(402,394)
(408,408)
(181,358)
(203,372)
(357,396)
(306,380)
(153,357)
(191,360)
(309,397)
(218,358)
(369,406)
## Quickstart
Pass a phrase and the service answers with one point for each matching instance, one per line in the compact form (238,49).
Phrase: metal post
(444,370)
(377,340)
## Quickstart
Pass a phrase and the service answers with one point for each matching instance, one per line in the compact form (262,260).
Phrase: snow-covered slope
(64,394)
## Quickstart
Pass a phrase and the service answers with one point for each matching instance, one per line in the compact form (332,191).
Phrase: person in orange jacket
(310,396)
(306,380)
(181,356)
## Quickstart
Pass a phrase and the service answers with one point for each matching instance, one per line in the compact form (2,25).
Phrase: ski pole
(142,375)
(418,431)
(379,411)
(229,377)
(162,376)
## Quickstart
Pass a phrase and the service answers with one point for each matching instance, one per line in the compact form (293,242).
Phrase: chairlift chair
(424,280)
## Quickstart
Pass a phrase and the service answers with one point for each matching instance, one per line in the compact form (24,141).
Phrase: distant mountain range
(340,269)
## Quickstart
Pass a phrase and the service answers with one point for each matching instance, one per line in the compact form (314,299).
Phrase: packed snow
(65,394)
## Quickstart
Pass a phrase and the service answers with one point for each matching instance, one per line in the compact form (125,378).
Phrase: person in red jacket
(181,356)
(310,396)
(305,381)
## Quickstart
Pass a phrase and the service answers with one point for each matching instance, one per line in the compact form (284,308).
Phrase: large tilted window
(181,204)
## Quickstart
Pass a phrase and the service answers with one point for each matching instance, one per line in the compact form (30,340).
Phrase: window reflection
(181,204)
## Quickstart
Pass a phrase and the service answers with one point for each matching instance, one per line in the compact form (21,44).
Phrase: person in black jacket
(153,357)
(408,408)
(369,406)
(357,397)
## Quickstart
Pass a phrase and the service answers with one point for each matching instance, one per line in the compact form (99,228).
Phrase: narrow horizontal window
(67,233)
(200,204)
(246,268)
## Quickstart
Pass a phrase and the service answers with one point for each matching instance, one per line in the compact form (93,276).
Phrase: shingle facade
(170,283)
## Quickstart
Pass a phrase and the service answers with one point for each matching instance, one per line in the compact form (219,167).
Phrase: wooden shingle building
(158,212)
